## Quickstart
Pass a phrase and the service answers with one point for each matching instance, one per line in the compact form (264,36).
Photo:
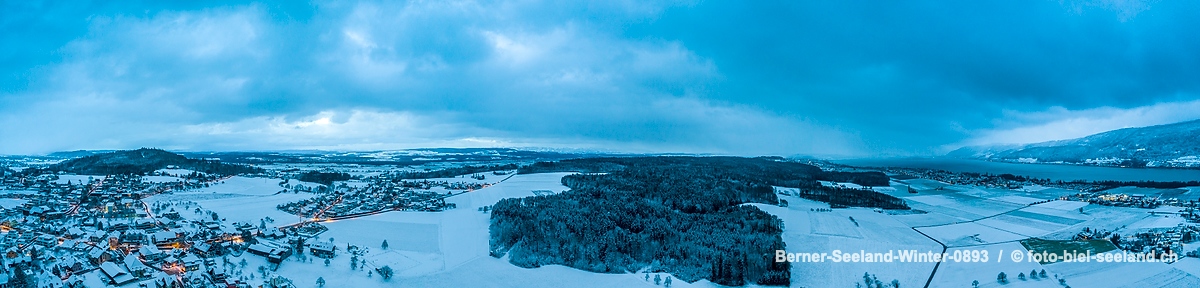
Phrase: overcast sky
(825,78)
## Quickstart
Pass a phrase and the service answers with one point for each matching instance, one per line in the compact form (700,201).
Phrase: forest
(451,172)
(326,178)
(141,162)
(680,215)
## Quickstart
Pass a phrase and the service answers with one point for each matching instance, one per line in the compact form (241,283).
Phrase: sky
(820,78)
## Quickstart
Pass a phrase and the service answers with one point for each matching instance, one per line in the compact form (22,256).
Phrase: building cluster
(82,233)
(1161,240)
(1138,201)
(380,194)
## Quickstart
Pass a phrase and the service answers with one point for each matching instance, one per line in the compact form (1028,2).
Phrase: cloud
(390,75)
(828,78)
(1058,123)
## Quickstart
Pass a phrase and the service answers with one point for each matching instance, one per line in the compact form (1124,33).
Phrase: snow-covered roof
(324,246)
(149,250)
(165,235)
(133,264)
(115,273)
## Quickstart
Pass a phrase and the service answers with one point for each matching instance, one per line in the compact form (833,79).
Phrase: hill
(1170,145)
(143,161)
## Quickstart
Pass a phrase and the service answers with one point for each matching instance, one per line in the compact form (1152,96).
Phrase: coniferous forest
(680,215)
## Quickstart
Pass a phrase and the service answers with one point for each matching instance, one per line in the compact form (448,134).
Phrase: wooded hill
(142,161)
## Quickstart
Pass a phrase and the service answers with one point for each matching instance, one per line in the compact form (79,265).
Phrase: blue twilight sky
(826,78)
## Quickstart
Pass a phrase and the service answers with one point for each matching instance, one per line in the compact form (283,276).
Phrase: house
(47,280)
(165,238)
(278,255)
(151,253)
(74,265)
(74,233)
(259,249)
(207,250)
(144,224)
(133,237)
(118,227)
(191,262)
(73,245)
(136,267)
(97,256)
(273,254)
(47,240)
(116,275)
(273,233)
(217,274)
(322,249)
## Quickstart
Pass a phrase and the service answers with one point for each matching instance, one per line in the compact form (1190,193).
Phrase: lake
(1052,171)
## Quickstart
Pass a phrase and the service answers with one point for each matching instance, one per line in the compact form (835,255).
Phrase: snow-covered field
(245,186)
(430,249)
(964,206)
(804,232)
(969,234)
(1108,274)
(961,274)
(450,248)
(240,199)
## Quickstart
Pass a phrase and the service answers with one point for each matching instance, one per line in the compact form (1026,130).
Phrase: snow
(1098,217)
(76,179)
(8,203)
(450,248)
(1123,274)
(1021,226)
(1022,200)
(1155,221)
(431,245)
(410,231)
(252,208)
(479,272)
(440,249)
(236,207)
(960,274)
(1188,264)
(1063,205)
(352,183)
(927,219)
(517,186)
(966,206)
(969,234)
(243,186)
(876,232)
(1034,188)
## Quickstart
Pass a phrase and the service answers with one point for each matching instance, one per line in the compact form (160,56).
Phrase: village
(81,231)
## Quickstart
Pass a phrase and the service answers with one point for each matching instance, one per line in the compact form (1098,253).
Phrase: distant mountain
(143,161)
(1170,145)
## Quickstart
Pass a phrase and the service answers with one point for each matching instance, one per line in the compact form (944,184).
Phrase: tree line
(451,172)
(326,178)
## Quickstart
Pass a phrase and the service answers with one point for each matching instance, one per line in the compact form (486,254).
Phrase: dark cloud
(787,77)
